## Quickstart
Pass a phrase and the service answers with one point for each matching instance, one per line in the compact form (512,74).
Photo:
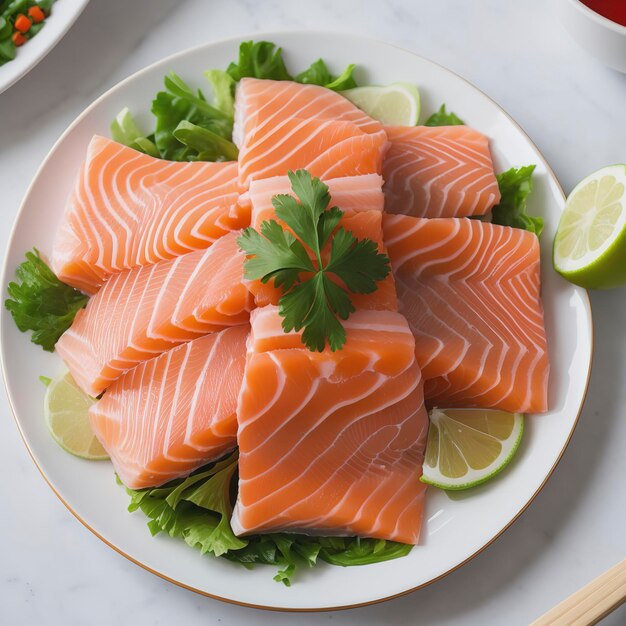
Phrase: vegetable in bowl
(20,21)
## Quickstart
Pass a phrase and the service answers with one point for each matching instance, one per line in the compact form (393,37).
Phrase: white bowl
(63,15)
(605,39)
(456,529)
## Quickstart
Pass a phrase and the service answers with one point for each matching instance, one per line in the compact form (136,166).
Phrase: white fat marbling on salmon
(282,125)
(471,293)
(352,194)
(128,209)
(142,312)
(173,413)
(443,171)
(332,443)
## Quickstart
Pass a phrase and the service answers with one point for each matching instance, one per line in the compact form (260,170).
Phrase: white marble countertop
(54,571)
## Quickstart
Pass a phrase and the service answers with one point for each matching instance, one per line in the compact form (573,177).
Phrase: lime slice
(397,104)
(466,447)
(66,409)
(590,242)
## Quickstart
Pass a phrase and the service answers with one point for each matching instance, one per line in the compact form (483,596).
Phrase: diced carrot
(22,23)
(36,14)
(18,38)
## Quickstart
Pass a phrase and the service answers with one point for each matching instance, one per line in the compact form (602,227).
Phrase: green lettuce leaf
(443,118)
(316,74)
(169,112)
(176,86)
(319,74)
(261,59)
(197,509)
(345,80)
(41,302)
(46,5)
(178,102)
(181,104)
(357,551)
(223,86)
(515,187)
(124,130)
(7,47)
(209,145)
(293,552)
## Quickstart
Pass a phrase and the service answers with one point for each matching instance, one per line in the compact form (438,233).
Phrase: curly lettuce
(516,185)
(197,510)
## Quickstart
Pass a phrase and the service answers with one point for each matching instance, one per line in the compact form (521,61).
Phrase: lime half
(397,104)
(590,242)
(467,447)
(66,409)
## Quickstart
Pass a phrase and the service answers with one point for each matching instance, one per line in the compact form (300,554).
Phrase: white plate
(64,14)
(455,529)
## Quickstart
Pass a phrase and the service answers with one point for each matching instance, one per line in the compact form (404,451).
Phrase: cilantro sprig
(311,299)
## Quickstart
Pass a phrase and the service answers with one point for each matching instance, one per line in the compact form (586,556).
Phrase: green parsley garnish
(311,300)
(41,302)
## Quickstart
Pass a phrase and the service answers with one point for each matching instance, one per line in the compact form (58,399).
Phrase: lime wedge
(590,242)
(397,104)
(66,409)
(467,447)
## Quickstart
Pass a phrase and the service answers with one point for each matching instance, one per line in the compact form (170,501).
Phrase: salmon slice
(129,209)
(282,125)
(443,171)
(174,413)
(471,293)
(144,311)
(332,443)
(349,193)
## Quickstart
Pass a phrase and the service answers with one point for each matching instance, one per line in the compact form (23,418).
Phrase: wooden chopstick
(590,604)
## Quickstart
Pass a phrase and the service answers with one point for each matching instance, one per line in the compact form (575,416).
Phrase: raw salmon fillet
(471,293)
(441,171)
(174,413)
(349,193)
(282,125)
(147,310)
(332,443)
(129,209)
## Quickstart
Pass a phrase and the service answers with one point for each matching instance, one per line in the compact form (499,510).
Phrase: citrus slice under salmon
(283,125)
(174,413)
(440,171)
(332,442)
(471,293)
(147,310)
(129,209)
